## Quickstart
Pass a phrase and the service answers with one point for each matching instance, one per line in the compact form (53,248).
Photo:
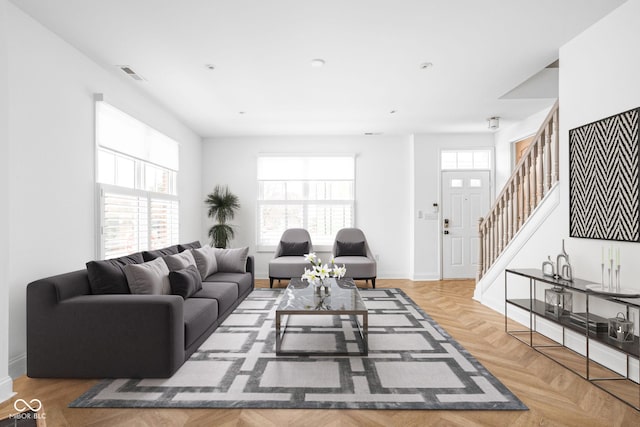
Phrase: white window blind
(119,132)
(137,173)
(311,192)
(124,219)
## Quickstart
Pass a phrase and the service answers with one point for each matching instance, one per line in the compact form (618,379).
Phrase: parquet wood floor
(554,395)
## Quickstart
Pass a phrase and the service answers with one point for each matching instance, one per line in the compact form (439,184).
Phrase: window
(465,159)
(311,192)
(137,172)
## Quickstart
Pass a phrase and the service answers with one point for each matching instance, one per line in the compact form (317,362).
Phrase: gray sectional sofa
(87,324)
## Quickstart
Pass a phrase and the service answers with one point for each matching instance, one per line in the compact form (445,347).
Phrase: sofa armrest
(103,336)
(251,268)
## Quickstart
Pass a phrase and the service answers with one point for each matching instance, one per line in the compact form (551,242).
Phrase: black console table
(582,321)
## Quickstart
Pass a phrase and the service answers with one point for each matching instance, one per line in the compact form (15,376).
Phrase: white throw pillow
(205,258)
(149,278)
(179,261)
(232,260)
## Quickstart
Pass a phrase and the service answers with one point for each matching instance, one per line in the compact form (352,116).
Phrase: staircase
(533,178)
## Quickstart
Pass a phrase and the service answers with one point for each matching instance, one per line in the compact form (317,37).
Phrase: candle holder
(602,276)
(620,329)
(611,275)
(618,278)
(558,302)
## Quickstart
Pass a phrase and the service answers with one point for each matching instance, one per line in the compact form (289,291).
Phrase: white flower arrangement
(320,271)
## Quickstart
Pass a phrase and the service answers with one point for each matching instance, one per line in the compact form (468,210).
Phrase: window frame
(139,186)
(304,201)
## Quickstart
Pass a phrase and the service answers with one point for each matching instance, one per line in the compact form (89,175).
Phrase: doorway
(465,198)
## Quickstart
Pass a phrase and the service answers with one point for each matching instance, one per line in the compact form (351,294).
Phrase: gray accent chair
(288,260)
(351,249)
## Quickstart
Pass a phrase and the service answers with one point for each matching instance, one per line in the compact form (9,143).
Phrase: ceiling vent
(128,71)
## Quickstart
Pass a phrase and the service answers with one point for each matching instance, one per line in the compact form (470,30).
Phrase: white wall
(425,239)
(598,78)
(5,380)
(382,188)
(597,81)
(51,168)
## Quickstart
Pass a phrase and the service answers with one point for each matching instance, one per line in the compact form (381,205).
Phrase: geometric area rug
(412,364)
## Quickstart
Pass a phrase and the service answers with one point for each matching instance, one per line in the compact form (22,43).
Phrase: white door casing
(465,198)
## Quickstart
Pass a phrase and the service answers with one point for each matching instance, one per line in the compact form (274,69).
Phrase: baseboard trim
(18,366)
(6,389)
(425,277)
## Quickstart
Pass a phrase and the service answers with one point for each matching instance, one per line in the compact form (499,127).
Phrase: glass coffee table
(340,297)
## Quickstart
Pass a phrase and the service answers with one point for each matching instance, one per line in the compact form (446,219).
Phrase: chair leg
(271,282)
(373,282)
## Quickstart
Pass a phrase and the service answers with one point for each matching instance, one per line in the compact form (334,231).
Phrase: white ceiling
(262,49)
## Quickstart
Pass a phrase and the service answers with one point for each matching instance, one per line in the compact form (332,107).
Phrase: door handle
(446,231)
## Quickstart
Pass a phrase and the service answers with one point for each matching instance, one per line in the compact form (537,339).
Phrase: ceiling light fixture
(393,111)
(494,123)
(317,63)
(426,65)
(210,66)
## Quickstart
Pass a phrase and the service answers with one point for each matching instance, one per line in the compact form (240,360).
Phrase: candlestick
(618,257)
(602,266)
(611,285)
(618,278)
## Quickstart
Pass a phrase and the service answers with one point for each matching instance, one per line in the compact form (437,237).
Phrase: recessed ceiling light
(426,65)
(372,133)
(317,63)
(210,66)
(393,111)
(241,112)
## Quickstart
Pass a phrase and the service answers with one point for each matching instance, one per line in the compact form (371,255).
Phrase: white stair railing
(534,175)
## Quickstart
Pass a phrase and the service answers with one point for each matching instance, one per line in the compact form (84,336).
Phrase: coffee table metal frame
(297,287)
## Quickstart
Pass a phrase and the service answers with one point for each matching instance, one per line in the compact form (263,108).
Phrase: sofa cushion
(107,276)
(179,261)
(294,248)
(149,278)
(199,314)
(186,246)
(151,255)
(206,261)
(232,260)
(225,293)
(350,249)
(185,282)
(242,279)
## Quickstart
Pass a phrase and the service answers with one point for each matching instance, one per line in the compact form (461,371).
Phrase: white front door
(465,198)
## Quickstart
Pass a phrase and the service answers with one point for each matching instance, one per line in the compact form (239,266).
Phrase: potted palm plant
(222,207)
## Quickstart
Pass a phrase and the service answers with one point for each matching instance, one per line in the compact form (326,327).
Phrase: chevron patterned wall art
(604,179)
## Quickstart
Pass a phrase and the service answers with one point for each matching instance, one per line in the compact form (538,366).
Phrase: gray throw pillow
(107,277)
(185,282)
(232,260)
(186,246)
(294,248)
(179,261)
(206,262)
(350,249)
(151,255)
(149,278)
